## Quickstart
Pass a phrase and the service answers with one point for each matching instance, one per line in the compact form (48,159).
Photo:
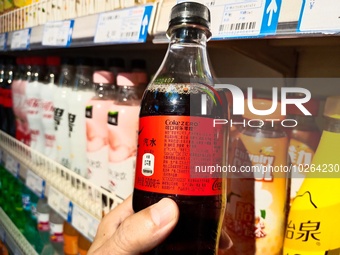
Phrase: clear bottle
(171,128)
(123,118)
(116,65)
(304,139)
(56,232)
(257,198)
(83,245)
(60,101)
(43,223)
(47,91)
(96,128)
(33,103)
(82,92)
(313,222)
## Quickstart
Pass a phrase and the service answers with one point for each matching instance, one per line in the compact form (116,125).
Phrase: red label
(174,153)
(7,98)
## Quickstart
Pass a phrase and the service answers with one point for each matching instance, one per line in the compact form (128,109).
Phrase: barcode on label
(237,26)
(130,34)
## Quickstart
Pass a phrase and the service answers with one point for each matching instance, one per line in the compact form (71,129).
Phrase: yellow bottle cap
(332,107)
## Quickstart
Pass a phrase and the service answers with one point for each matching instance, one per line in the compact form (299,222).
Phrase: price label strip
(320,16)
(12,165)
(124,26)
(58,202)
(3,41)
(58,33)
(21,39)
(243,18)
(35,183)
(84,222)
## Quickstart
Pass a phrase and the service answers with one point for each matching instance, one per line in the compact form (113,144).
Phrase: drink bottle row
(43,228)
(81,112)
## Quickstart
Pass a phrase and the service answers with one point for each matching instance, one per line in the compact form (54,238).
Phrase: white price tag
(35,183)
(81,220)
(64,207)
(58,33)
(21,39)
(54,199)
(3,41)
(12,165)
(320,16)
(93,226)
(128,25)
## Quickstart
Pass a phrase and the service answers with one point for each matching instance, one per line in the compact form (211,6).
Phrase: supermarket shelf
(76,199)
(10,235)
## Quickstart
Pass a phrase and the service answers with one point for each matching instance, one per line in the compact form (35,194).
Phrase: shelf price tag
(84,222)
(58,33)
(12,165)
(124,26)
(35,183)
(58,202)
(319,16)
(21,39)
(243,18)
(3,41)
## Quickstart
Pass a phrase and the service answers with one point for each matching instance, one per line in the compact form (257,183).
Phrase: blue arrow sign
(270,17)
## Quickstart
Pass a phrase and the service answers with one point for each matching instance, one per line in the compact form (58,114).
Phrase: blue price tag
(21,39)
(58,33)
(3,41)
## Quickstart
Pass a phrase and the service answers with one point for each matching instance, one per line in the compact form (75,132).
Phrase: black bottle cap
(116,62)
(189,13)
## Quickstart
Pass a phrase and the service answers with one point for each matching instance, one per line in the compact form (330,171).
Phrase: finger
(142,231)
(111,222)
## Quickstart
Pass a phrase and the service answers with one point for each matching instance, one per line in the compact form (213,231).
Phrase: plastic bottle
(123,118)
(60,101)
(47,91)
(8,120)
(97,130)
(83,245)
(56,232)
(174,136)
(257,198)
(3,123)
(138,67)
(116,65)
(71,236)
(313,217)
(33,104)
(17,97)
(24,111)
(81,93)
(43,226)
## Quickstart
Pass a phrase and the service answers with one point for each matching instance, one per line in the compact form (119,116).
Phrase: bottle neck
(186,60)
(83,77)
(331,124)
(104,91)
(304,122)
(129,95)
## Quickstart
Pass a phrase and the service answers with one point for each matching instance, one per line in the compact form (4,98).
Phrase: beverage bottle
(97,130)
(313,222)
(22,91)
(17,97)
(8,121)
(257,197)
(116,65)
(60,102)
(71,236)
(43,216)
(83,245)
(56,232)
(303,141)
(3,123)
(47,91)
(175,136)
(82,92)
(33,104)
(138,67)
(123,118)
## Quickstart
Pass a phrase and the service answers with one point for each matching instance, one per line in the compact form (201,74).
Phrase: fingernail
(163,212)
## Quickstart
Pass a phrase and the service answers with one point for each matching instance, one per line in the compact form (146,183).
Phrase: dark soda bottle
(177,139)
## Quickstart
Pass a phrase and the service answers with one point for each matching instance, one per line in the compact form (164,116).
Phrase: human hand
(123,232)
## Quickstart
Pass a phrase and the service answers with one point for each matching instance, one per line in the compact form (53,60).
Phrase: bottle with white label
(97,129)
(47,108)
(33,104)
(56,232)
(123,119)
(60,101)
(82,92)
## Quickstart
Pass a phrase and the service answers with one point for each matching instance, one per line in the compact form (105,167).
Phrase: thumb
(144,230)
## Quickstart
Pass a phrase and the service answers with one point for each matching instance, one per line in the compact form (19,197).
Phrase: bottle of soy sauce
(178,140)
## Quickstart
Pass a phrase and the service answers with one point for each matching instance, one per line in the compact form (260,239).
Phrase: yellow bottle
(313,222)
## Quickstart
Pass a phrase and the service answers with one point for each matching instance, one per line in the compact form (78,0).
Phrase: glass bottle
(176,136)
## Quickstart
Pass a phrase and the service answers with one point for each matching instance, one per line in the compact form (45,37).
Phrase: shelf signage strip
(58,33)
(21,39)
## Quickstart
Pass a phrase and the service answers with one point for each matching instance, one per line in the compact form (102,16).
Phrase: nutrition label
(169,148)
